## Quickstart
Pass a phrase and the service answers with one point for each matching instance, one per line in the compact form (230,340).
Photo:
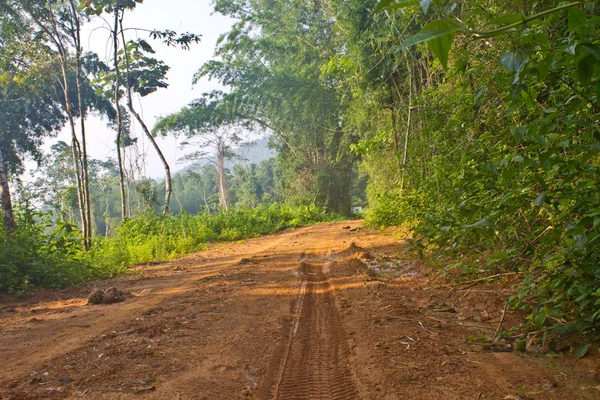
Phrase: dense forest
(473,124)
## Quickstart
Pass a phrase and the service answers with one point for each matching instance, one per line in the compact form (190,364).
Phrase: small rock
(96,296)
(113,295)
(144,389)
(35,381)
(108,296)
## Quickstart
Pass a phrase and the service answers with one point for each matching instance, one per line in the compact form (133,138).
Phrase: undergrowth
(46,252)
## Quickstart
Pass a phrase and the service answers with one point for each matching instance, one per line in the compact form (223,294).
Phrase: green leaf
(440,45)
(570,49)
(582,351)
(500,255)
(576,18)
(478,93)
(479,224)
(545,65)
(539,201)
(518,132)
(592,49)
(385,5)
(539,320)
(425,5)
(506,19)
(403,4)
(449,9)
(382,5)
(585,69)
(425,36)
(514,61)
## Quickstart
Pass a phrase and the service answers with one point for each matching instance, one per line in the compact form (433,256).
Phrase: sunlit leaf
(438,35)
(390,5)
(571,49)
(425,5)
(514,61)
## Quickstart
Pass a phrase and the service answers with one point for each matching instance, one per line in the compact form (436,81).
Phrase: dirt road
(323,312)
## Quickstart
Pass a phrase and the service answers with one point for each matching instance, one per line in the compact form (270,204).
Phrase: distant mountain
(253,152)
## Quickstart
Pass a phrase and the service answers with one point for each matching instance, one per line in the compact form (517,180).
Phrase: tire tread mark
(315,364)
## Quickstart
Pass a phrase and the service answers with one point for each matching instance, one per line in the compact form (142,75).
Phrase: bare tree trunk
(75,149)
(221,167)
(85,167)
(204,197)
(163,160)
(7,212)
(408,129)
(119,116)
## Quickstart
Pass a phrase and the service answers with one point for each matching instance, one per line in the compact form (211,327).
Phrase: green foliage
(504,155)
(44,251)
(272,60)
(153,238)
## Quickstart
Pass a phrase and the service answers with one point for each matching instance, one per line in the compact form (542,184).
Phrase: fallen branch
(501,320)
(476,281)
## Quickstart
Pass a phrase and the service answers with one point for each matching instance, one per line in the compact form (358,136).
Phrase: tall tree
(59,25)
(272,61)
(210,126)
(29,109)
(137,73)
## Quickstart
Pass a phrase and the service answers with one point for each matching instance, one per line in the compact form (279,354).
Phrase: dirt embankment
(316,313)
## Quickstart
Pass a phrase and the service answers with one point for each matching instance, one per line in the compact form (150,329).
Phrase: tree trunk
(222,191)
(408,128)
(54,35)
(163,160)
(119,117)
(7,212)
(75,148)
(85,167)
(204,197)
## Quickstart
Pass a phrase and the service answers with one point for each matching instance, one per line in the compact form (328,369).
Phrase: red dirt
(315,313)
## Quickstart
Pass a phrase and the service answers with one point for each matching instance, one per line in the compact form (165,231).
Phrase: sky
(193,16)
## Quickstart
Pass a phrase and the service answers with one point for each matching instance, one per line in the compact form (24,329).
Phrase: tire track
(315,363)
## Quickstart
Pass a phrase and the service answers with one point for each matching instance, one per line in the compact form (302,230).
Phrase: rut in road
(315,363)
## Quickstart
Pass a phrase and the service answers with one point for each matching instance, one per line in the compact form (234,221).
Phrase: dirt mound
(106,296)
(350,250)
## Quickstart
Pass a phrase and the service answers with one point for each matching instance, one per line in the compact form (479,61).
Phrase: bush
(43,251)
(46,251)
(155,238)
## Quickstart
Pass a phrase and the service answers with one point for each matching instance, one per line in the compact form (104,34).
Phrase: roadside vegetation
(47,252)
(473,124)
